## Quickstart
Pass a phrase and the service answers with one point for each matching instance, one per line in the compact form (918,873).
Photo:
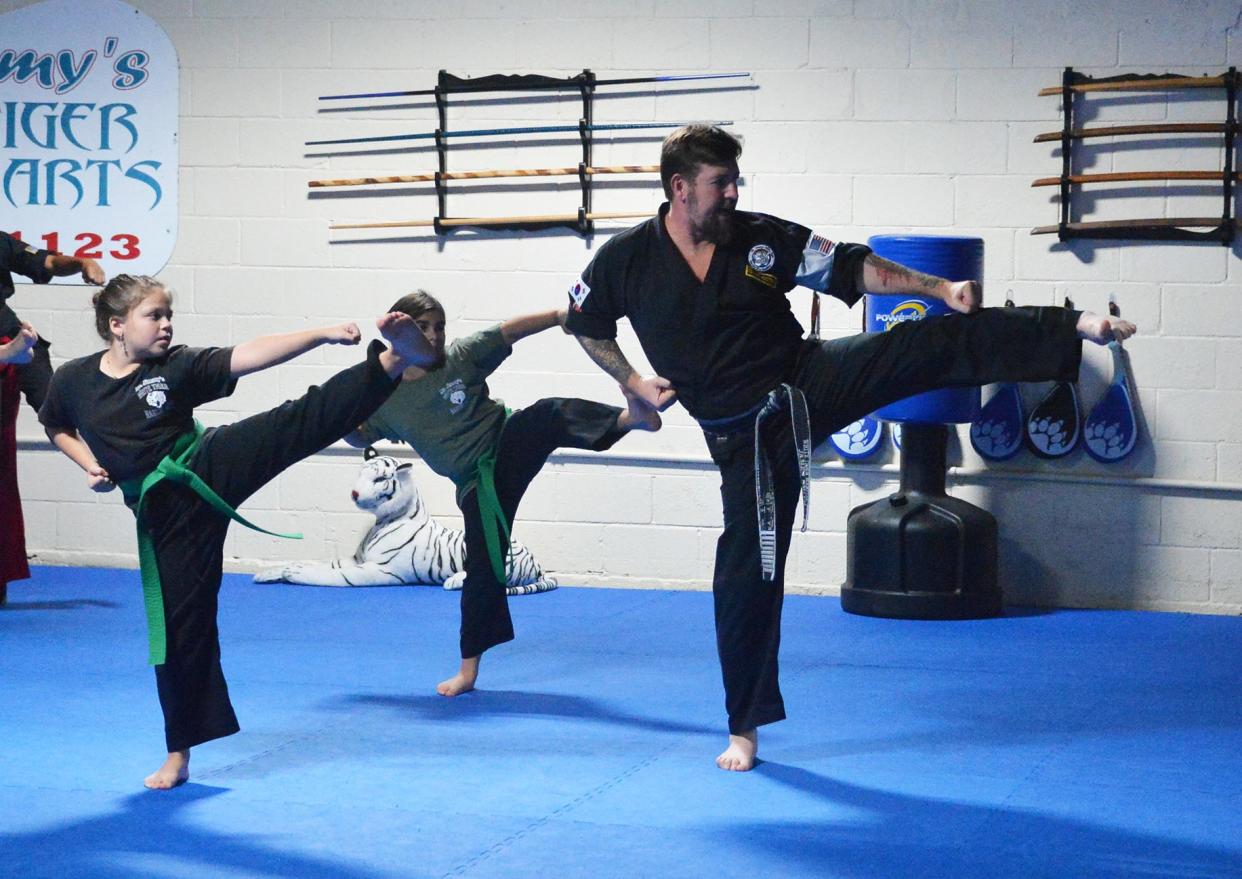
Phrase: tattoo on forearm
(891,275)
(607,356)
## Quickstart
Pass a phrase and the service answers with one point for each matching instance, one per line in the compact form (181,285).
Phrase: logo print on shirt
(578,293)
(153,392)
(761,258)
(455,393)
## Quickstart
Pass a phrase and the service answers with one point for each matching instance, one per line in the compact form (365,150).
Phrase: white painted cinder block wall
(865,117)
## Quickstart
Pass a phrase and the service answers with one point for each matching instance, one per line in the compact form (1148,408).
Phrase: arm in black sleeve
(56,413)
(206,371)
(845,283)
(17,256)
(595,303)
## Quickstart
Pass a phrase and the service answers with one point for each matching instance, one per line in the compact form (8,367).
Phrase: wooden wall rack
(1074,86)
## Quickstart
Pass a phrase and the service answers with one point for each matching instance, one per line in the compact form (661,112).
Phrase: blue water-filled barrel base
(954,258)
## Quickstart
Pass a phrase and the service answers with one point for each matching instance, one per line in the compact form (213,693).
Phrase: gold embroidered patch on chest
(763,278)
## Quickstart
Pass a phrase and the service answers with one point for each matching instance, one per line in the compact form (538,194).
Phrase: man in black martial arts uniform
(704,285)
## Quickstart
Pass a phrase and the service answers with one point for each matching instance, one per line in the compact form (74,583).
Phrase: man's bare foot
(740,755)
(174,772)
(463,681)
(1102,329)
(637,415)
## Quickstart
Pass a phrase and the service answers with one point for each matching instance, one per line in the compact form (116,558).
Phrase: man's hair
(417,304)
(691,146)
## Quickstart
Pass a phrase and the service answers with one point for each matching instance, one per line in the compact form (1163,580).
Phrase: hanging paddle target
(1111,430)
(997,433)
(1053,428)
(858,440)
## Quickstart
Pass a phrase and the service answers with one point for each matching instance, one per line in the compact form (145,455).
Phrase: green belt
(172,467)
(492,516)
(490,512)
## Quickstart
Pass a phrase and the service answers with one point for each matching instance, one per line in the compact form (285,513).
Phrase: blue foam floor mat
(1042,744)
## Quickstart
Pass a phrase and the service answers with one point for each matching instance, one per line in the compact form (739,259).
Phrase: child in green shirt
(447,415)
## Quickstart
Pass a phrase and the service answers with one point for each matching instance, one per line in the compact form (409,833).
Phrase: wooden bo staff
(1156,222)
(488,174)
(1135,176)
(1158,83)
(1158,128)
(492,221)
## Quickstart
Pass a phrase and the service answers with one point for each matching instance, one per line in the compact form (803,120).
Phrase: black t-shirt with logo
(131,423)
(728,340)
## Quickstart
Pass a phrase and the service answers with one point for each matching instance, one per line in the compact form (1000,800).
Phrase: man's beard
(716,227)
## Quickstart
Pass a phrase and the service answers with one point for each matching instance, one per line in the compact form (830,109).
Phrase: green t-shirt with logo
(446,414)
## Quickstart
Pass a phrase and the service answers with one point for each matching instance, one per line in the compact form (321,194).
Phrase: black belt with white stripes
(765,490)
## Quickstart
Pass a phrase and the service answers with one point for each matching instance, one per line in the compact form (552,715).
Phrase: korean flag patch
(578,293)
(761,258)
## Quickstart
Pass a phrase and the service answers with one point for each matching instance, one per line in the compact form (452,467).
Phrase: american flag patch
(820,243)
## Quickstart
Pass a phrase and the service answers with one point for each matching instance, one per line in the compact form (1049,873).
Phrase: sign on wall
(88,133)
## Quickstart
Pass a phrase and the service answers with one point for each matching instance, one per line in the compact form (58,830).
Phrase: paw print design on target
(997,433)
(1053,428)
(858,440)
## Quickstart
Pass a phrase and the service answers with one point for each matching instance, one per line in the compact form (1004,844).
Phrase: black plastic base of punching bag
(920,554)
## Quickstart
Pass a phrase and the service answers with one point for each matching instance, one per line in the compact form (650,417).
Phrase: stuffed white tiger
(405,545)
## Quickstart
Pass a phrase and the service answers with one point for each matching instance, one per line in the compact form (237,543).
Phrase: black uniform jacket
(724,342)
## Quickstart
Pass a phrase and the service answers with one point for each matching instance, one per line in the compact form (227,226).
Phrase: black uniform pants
(843,380)
(528,438)
(33,378)
(236,461)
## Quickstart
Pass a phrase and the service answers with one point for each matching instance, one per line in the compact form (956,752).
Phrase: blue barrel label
(911,309)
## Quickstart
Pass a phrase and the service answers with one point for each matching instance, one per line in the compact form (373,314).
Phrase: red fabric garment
(12,528)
